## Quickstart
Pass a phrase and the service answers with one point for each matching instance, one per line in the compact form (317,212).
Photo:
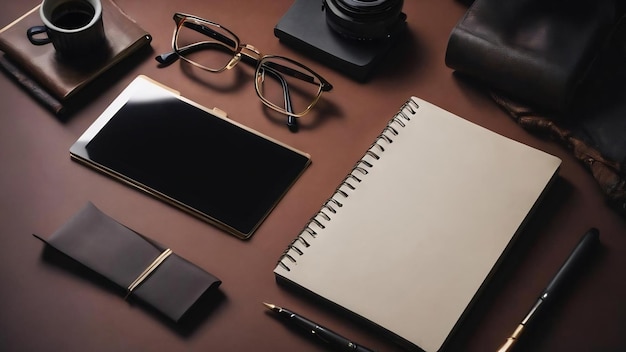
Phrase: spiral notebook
(413,232)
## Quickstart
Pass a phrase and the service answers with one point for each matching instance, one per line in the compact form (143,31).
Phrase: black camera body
(350,36)
(364,19)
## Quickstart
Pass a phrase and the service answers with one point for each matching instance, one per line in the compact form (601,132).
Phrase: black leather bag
(559,69)
(537,51)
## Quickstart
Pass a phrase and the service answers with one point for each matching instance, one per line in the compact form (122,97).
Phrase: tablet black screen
(206,163)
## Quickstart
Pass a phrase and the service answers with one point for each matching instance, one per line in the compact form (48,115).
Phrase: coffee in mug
(74,27)
(72,14)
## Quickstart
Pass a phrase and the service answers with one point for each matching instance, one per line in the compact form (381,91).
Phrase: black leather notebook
(125,257)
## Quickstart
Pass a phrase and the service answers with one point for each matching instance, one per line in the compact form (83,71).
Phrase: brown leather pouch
(145,269)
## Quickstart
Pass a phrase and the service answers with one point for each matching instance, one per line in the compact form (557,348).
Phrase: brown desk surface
(43,307)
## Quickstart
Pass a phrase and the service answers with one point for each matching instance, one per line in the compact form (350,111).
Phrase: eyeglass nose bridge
(251,52)
(245,52)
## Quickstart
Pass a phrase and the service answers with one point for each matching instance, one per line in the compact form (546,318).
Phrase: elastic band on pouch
(144,275)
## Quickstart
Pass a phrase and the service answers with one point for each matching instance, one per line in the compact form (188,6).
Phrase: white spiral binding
(359,171)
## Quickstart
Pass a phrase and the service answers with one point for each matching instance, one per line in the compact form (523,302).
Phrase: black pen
(586,244)
(332,338)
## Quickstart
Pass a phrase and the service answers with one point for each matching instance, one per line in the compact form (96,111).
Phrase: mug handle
(33,31)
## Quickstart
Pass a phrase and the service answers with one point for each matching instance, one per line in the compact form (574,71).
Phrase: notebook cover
(417,227)
(119,254)
(59,79)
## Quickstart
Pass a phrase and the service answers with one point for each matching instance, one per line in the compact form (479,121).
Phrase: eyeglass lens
(287,86)
(209,46)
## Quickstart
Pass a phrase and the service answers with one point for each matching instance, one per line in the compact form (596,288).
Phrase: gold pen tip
(269,306)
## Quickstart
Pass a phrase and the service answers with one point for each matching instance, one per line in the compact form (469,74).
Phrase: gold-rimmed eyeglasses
(282,84)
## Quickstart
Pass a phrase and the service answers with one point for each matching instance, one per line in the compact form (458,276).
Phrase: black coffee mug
(74,27)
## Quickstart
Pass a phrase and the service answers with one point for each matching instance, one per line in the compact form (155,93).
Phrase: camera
(350,36)
(364,19)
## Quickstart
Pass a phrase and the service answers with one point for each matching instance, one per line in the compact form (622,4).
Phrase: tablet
(192,157)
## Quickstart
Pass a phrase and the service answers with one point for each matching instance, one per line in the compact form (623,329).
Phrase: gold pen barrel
(518,331)
(512,339)
(507,345)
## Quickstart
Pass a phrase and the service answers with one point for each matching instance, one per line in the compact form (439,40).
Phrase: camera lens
(364,19)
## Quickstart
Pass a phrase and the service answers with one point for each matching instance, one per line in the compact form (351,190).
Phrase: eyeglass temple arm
(171,57)
(211,33)
(167,58)
(292,121)
(297,74)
